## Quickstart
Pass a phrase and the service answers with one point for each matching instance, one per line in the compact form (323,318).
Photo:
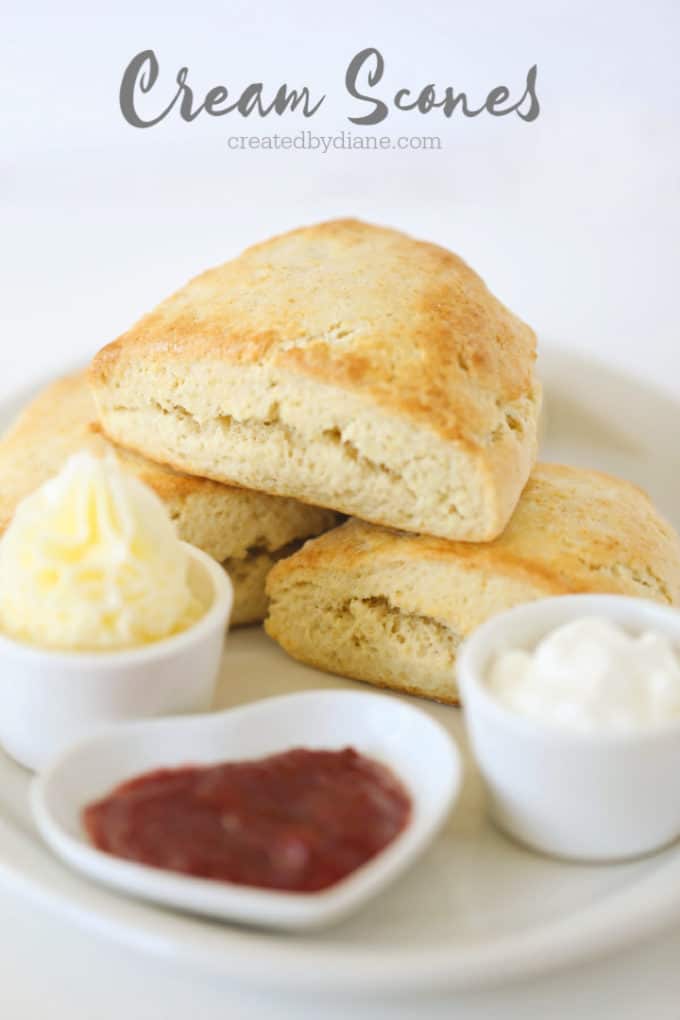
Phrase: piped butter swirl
(91,561)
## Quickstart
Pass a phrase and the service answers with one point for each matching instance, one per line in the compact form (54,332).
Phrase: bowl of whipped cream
(104,613)
(572,707)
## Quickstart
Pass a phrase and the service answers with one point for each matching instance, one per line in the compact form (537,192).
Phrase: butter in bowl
(104,614)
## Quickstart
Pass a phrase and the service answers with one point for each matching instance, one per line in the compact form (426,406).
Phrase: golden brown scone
(392,608)
(247,531)
(346,365)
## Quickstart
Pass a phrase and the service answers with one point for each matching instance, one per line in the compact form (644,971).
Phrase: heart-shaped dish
(417,750)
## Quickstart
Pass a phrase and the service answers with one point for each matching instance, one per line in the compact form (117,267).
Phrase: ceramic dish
(375,725)
(598,796)
(73,693)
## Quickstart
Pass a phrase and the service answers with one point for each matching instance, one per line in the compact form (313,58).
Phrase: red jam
(298,821)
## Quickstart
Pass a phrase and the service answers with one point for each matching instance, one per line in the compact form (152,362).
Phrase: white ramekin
(49,699)
(584,796)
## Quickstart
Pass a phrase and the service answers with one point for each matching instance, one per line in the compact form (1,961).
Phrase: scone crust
(398,343)
(406,323)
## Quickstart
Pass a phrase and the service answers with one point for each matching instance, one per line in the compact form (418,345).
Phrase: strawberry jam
(299,821)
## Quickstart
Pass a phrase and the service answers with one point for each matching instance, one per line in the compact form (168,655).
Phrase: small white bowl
(49,699)
(417,749)
(584,796)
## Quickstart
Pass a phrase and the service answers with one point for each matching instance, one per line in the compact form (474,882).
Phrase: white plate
(476,909)
(374,724)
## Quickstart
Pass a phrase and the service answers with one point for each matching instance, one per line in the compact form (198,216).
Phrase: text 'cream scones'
(391,608)
(343,364)
(247,531)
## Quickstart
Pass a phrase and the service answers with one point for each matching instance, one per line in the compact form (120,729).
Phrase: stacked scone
(353,369)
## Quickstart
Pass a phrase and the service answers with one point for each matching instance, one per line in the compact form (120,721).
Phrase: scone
(392,608)
(345,365)
(247,531)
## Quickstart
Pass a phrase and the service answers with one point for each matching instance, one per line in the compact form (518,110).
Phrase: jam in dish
(298,821)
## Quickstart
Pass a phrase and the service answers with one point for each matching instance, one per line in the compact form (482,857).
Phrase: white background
(573,220)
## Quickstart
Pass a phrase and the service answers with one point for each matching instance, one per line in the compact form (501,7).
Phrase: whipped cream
(91,560)
(591,675)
